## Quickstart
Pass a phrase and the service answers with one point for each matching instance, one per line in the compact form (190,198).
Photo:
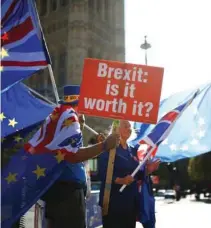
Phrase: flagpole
(53,82)
(41,96)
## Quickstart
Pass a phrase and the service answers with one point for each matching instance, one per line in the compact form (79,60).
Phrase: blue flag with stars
(24,181)
(192,132)
(20,109)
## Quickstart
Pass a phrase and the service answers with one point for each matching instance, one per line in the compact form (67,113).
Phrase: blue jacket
(124,164)
(75,173)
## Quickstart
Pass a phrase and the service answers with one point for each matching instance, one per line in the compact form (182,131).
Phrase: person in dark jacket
(124,206)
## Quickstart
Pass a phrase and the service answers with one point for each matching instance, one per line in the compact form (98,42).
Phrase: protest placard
(120,90)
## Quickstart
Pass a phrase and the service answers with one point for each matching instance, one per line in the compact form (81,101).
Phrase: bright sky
(180,34)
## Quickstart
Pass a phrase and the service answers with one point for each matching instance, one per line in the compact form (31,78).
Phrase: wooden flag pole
(109,174)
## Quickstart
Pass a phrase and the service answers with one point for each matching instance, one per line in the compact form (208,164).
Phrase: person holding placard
(123,206)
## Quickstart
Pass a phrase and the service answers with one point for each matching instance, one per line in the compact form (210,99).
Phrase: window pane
(64,2)
(91,4)
(62,68)
(43,7)
(53,5)
(98,6)
(90,53)
(106,10)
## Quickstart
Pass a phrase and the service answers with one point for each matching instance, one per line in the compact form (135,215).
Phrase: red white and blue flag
(23,50)
(60,132)
(162,129)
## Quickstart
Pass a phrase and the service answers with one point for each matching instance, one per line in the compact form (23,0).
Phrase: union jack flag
(23,50)
(160,132)
(60,131)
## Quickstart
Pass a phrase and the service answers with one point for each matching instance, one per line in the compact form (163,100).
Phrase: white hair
(133,132)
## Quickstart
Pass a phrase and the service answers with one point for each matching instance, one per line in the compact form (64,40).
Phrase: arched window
(99,6)
(91,4)
(43,7)
(90,53)
(106,9)
(53,4)
(100,56)
(64,2)
(62,69)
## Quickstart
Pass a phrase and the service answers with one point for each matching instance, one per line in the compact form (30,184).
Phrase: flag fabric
(17,139)
(20,110)
(162,129)
(146,214)
(191,133)
(27,177)
(23,50)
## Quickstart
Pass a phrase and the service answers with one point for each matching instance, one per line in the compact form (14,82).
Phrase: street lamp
(145,46)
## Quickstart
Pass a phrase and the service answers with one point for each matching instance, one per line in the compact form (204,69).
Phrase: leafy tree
(199,168)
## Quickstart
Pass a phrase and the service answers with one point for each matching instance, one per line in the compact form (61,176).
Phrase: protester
(65,200)
(124,206)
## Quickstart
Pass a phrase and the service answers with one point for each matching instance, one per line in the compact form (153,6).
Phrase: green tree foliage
(199,168)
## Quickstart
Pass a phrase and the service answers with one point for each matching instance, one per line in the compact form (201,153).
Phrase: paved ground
(186,213)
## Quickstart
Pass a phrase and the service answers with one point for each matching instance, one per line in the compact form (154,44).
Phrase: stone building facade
(74,30)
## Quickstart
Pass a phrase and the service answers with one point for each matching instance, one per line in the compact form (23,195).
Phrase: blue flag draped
(23,50)
(192,131)
(24,181)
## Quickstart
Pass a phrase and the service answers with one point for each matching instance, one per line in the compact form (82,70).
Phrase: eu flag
(20,110)
(24,181)
(23,50)
(192,131)
(27,177)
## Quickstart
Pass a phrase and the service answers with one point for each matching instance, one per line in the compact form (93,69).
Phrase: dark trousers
(65,205)
(149,225)
(121,220)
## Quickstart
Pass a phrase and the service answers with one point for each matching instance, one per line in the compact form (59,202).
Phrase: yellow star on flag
(60,156)
(4,53)
(2,116)
(1,68)
(54,116)
(11,177)
(2,139)
(40,172)
(67,123)
(17,138)
(12,122)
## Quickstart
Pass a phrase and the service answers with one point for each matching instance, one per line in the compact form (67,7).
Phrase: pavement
(186,213)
